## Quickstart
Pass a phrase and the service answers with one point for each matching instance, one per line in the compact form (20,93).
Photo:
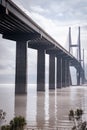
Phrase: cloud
(40,10)
(7,60)
(61,10)
(64,11)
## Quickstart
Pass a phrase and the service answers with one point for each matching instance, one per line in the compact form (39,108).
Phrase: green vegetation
(17,123)
(76,117)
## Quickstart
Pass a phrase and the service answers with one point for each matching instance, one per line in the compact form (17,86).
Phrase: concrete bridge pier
(59,72)
(51,71)
(21,67)
(63,72)
(83,77)
(41,70)
(67,74)
(78,76)
(69,82)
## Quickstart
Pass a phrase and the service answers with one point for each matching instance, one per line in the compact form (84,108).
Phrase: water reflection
(40,109)
(20,105)
(52,108)
(43,109)
(7,100)
(31,105)
(47,106)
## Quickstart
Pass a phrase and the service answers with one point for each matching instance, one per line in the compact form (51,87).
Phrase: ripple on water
(44,109)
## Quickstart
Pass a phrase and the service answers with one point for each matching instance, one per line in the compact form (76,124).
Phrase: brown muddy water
(47,109)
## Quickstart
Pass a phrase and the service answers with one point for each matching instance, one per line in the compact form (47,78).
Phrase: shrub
(76,117)
(17,123)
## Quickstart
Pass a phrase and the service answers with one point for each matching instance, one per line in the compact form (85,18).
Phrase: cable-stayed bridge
(78,55)
(17,26)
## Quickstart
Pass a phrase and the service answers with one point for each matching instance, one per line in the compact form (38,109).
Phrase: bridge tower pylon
(78,46)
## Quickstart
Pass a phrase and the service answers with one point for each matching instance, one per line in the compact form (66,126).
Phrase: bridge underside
(17,26)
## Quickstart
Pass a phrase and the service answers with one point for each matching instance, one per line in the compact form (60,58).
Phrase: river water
(43,109)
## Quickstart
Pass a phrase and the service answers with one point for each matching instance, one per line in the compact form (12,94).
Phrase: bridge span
(17,26)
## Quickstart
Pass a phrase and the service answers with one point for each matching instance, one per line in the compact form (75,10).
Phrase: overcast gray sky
(55,17)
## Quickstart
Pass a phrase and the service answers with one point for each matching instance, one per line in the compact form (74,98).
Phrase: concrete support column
(83,77)
(67,77)
(78,76)
(41,70)
(66,73)
(21,67)
(63,72)
(59,72)
(70,78)
(51,71)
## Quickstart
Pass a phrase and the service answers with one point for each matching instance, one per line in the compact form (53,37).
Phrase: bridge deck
(18,26)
